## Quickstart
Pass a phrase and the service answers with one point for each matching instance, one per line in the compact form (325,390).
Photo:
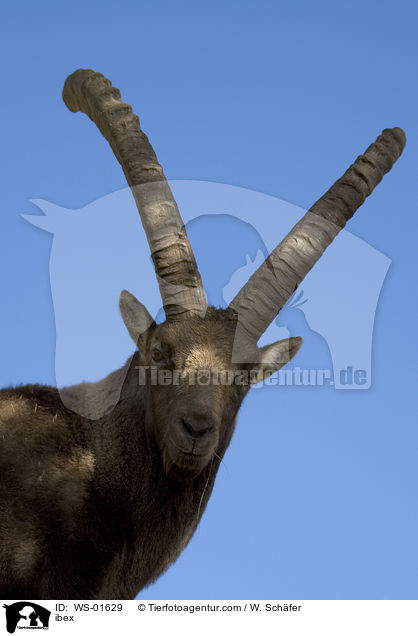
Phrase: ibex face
(196,409)
(194,387)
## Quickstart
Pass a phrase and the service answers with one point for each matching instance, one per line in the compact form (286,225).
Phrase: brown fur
(98,509)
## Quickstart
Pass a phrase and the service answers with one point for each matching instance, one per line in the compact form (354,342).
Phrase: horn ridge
(179,279)
(269,288)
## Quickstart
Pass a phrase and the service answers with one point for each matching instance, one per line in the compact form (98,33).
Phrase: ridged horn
(269,288)
(178,277)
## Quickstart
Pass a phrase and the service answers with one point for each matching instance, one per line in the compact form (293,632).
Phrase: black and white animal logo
(26,615)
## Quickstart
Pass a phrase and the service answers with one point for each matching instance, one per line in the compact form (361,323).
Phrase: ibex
(98,509)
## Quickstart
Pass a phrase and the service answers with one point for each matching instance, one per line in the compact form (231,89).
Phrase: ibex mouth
(182,464)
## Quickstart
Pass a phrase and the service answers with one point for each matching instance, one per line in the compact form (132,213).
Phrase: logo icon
(26,615)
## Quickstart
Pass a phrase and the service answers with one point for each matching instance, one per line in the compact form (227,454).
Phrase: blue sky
(317,497)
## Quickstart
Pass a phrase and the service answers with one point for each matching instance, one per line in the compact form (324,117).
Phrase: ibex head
(195,387)
(192,418)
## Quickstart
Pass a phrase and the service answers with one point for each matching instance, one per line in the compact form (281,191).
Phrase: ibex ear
(274,356)
(135,316)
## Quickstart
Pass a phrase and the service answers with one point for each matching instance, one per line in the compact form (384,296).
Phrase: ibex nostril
(195,428)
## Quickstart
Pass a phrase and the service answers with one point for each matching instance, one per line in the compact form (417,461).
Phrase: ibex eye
(157,356)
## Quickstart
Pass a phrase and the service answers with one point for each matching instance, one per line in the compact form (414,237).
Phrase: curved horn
(268,289)
(178,277)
